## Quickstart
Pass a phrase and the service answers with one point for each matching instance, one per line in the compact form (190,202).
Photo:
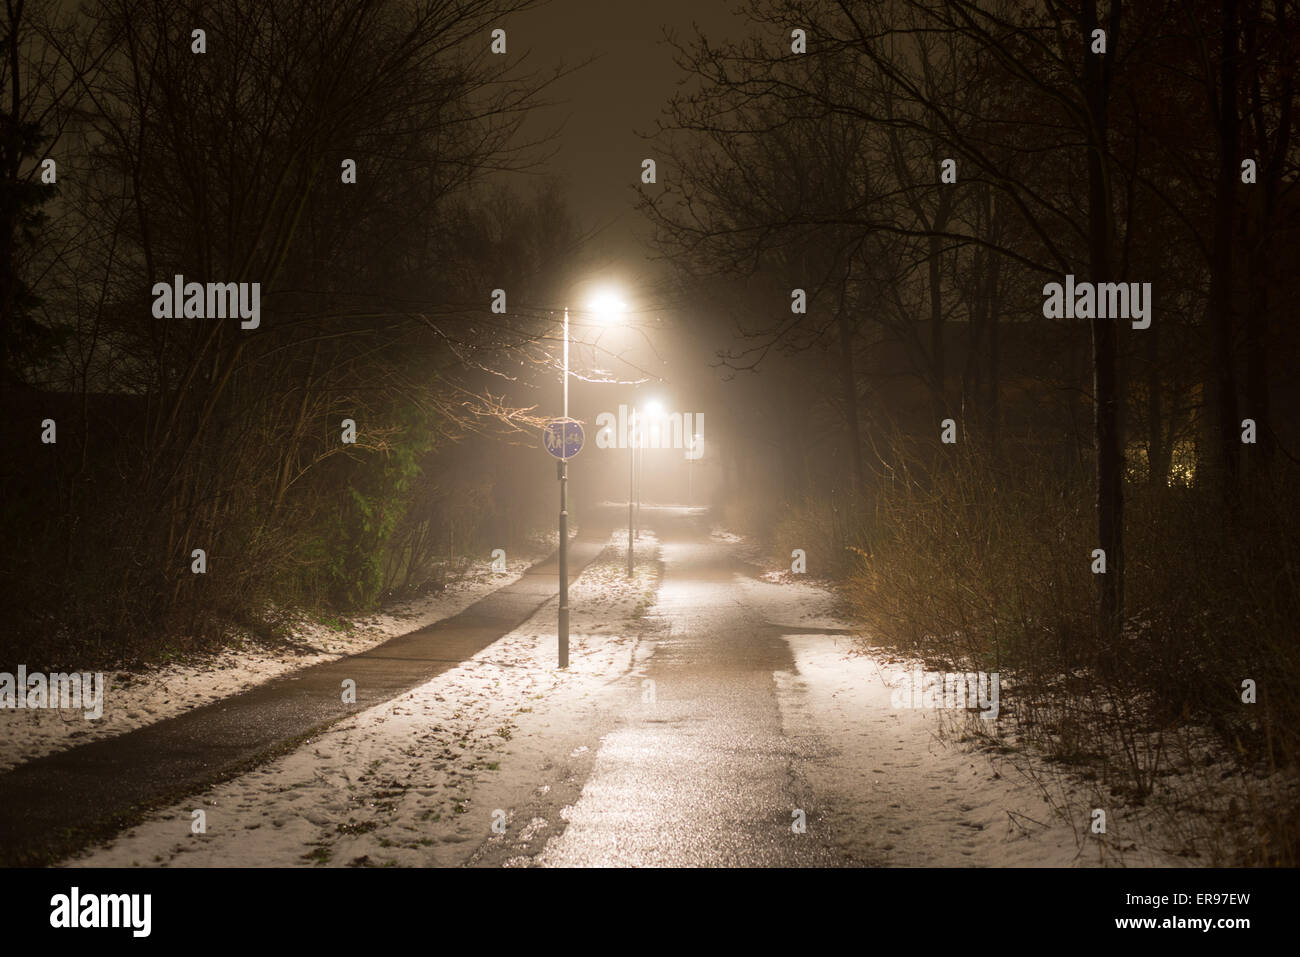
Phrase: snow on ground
(917,798)
(899,786)
(134,700)
(421,780)
(416,781)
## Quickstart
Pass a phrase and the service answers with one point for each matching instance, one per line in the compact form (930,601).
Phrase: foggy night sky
(604,105)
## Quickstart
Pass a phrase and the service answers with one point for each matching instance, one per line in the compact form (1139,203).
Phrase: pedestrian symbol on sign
(563,438)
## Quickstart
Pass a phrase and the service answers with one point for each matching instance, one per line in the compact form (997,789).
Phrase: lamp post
(631,483)
(638,460)
(690,471)
(654,412)
(564,517)
(605,306)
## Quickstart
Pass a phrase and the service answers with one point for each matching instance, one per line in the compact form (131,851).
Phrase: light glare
(606,305)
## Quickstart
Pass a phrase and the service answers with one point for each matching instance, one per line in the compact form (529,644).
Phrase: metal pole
(564,512)
(631,476)
(636,483)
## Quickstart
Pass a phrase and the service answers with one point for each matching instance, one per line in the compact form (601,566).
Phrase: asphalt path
(705,776)
(54,805)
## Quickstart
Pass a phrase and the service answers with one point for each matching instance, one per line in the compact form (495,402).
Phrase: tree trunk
(1157,452)
(938,359)
(1109,445)
(1222,341)
(1259,266)
(994,406)
(849,389)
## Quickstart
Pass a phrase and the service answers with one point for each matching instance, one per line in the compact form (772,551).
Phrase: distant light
(654,408)
(607,306)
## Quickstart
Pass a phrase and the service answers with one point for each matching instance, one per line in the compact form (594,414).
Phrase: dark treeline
(922,170)
(231,164)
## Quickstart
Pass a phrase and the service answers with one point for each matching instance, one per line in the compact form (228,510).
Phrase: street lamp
(564,516)
(606,306)
(690,470)
(631,485)
(654,410)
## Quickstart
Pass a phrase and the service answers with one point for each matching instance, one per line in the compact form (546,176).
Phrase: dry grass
(974,563)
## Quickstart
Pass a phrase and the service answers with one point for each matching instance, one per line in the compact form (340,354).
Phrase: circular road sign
(563,438)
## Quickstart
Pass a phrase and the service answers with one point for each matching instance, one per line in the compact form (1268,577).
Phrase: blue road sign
(563,438)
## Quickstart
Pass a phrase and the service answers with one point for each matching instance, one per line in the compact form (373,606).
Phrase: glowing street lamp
(606,306)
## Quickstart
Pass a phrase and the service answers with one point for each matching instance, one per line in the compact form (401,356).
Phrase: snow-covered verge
(421,780)
(929,800)
(133,700)
(900,786)
(921,776)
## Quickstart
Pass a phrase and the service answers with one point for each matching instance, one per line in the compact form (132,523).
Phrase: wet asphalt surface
(704,775)
(52,806)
